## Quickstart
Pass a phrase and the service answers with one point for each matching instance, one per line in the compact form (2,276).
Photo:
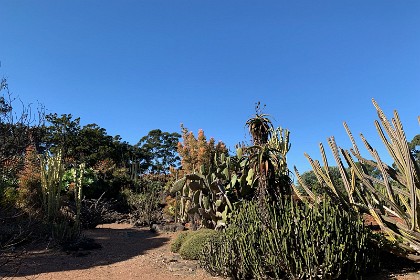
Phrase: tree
(310,180)
(94,145)
(159,151)
(414,146)
(63,134)
(18,129)
(197,152)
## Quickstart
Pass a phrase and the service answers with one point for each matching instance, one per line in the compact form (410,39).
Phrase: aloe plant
(268,159)
(392,199)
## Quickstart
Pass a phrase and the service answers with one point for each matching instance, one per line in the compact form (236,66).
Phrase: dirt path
(127,253)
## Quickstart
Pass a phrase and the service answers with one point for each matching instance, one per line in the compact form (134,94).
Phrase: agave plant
(392,198)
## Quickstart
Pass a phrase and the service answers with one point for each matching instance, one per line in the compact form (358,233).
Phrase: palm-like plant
(268,157)
(259,127)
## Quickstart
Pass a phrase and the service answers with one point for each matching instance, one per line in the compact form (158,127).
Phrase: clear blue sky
(134,66)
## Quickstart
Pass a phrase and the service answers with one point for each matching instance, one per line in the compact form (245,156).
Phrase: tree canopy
(197,152)
(159,151)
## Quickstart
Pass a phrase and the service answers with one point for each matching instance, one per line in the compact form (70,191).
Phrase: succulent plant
(52,172)
(392,198)
(213,193)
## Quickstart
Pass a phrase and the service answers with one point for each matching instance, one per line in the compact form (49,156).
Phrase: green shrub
(217,256)
(179,240)
(193,245)
(145,206)
(297,242)
(8,196)
(237,252)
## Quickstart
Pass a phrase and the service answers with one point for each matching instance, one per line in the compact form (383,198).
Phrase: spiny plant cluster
(392,198)
(296,241)
(257,171)
(272,229)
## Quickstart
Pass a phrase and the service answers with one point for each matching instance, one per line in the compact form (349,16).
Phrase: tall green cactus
(391,199)
(78,179)
(52,171)
(297,241)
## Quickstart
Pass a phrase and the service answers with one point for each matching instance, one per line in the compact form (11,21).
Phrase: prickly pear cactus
(213,193)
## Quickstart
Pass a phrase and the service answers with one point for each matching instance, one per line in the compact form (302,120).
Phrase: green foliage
(414,146)
(8,196)
(297,241)
(213,191)
(62,134)
(145,205)
(89,144)
(64,225)
(159,150)
(88,178)
(193,244)
(218,255)
(52,171)
(179,240)
(260,126)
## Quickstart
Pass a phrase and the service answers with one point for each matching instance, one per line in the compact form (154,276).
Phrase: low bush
(146,205)
(98,211)
(193,244)
(179,240)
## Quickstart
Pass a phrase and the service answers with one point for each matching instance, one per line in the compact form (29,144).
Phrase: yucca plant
(392,198)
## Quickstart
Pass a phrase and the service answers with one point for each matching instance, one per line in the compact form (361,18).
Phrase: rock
(167,228)
(182,267)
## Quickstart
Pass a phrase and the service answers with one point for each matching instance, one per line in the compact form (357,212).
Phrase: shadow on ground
(117,245)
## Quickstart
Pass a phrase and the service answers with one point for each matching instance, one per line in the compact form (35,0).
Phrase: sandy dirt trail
(127,253)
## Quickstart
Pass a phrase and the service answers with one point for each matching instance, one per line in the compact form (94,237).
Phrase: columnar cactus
(78,178)
(52,171)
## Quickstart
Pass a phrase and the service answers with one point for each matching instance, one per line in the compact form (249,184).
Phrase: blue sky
(134,66)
